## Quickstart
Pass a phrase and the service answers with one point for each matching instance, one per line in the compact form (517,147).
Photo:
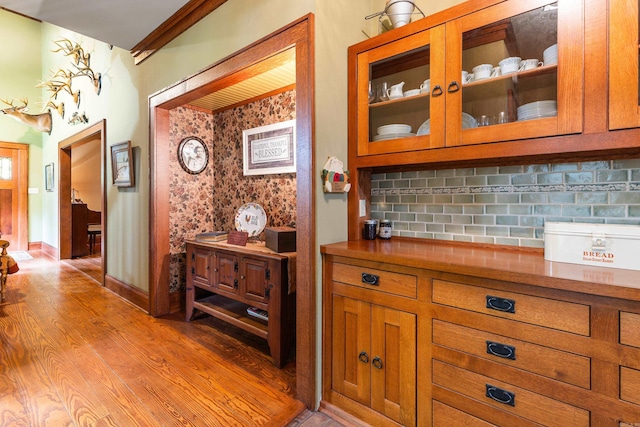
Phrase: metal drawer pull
(501,396)
(501,304)
(453,87)
(501,350)
(377,362)
(363,357)
(370,279)
(436,91)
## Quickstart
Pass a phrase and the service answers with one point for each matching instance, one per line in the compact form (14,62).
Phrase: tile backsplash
(506,205)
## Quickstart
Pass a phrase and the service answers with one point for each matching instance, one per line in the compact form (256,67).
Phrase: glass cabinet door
(624,50)
(514,71)
(393,96)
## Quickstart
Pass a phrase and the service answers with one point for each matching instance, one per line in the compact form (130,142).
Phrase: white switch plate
(363,208)
(33,190)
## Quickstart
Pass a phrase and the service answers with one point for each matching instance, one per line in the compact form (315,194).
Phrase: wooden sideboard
(224,280)
(434,333)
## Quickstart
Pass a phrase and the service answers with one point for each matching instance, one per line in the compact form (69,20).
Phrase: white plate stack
(537,110)
(393,131)
(550,55)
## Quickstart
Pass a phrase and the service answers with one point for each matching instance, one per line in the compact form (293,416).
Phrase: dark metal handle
(501,396)
(370,279)
(453,87)
(377,362)
(501,350)
(501,304)
(437,91)
(363,357)
(235,283)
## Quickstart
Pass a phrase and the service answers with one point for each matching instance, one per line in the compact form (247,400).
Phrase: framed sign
(269,149)
(122,165)
(48,177)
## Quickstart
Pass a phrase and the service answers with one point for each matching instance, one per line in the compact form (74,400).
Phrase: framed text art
(269,149)
(48,177)
(122,165)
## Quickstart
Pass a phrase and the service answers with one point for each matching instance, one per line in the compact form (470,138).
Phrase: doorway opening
(94,136)
(256,59)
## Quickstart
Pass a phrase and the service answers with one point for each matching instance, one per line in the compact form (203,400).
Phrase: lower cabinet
(374,357)
(412,345)
(225,281)
(371,353)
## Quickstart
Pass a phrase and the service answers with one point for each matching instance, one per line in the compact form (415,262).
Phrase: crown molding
(178,23)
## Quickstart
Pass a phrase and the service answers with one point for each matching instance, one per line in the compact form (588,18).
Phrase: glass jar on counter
(370,229)
(385,229)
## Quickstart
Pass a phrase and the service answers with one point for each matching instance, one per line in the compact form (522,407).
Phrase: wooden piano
(81,219)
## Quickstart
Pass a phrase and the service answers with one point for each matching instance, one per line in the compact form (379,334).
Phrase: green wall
(20,72)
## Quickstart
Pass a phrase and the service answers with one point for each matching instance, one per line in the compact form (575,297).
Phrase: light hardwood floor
(73,353)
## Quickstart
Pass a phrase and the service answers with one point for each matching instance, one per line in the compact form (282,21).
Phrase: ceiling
(125,23)
(121,23)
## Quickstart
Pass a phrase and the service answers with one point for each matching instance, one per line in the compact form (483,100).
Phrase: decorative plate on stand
(251,218)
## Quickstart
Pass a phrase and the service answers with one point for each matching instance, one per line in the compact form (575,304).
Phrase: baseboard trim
(134,295)
(46,249)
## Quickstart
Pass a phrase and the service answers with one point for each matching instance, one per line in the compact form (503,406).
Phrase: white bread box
(601,245)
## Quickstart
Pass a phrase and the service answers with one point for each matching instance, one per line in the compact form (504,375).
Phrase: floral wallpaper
(209,201)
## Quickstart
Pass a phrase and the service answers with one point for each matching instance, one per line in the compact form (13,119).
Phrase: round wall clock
(193,155)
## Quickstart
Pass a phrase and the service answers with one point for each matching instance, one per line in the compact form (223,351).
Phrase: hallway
(73,353)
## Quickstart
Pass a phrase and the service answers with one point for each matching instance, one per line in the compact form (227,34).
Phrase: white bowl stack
(537,110)
(550,55)
(393,131)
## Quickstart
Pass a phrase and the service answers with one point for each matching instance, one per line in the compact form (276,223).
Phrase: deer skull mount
(40,122)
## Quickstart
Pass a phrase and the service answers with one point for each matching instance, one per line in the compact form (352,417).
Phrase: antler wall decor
(60,81)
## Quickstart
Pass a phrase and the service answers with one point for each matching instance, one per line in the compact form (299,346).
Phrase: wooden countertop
(526,266)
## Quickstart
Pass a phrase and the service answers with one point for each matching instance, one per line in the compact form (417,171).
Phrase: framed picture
(48,177)
(193,155)
(122,165)
(269,149)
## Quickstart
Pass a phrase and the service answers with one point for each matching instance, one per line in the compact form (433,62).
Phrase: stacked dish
(550,55)
(537,110)
(468,122)
(393,131)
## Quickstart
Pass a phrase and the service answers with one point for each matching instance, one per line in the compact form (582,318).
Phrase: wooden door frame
(96,131)
(298,35)
(23,197)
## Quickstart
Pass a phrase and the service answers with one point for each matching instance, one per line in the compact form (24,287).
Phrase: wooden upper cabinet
(444,111)
(624,99)
(384,73)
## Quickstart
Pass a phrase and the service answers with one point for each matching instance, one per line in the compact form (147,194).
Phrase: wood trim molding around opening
(187,16)
(97,130)
(297,35)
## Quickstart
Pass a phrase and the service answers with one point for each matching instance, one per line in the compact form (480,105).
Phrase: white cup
(510,65)
(530,64)
(482,71)
(466,77)
(496,72)
(425,86)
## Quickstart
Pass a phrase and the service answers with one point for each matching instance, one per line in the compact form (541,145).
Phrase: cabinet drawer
(550,313)
(630,329)
(549,362)
(446,416)
(629,385)
(508,398)
(380,280)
